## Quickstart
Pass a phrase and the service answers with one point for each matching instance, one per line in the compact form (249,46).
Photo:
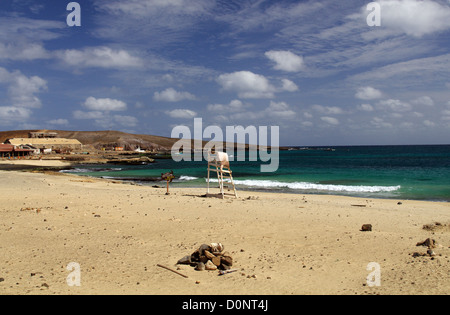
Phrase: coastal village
(47,145)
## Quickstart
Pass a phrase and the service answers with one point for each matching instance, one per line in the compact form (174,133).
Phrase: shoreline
(61,165)
(281,243)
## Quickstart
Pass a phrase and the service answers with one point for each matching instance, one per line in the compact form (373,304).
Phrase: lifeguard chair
(219,162)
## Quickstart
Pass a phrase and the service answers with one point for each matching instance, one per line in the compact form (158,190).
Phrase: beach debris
(36,210)
(399,203)
(436,226)
(366,228)
(174,271)
(430,243)
(209,257)
(360,206)
(224,272)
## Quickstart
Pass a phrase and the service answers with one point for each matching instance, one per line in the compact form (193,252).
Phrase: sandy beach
(35,163)
(281,244)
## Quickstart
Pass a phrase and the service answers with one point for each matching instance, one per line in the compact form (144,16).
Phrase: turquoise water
(400,172)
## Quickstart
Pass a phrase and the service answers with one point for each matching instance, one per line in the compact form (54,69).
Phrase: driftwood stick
(161,266)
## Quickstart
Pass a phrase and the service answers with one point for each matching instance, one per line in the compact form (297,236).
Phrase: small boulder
(210,266)
(200,267)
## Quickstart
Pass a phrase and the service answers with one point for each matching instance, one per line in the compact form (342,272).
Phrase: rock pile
(208,257)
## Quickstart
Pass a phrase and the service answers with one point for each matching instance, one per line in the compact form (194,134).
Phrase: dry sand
(36,163)
(282,244)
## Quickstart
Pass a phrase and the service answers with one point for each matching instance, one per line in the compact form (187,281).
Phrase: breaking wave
(91,170)
(315,187)
(188,178)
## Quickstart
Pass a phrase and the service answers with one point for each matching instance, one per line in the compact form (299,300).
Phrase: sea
(420,172)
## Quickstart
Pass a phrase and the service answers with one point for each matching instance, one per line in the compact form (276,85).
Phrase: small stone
(431,253)
(200,267)
(399,203)
(2,279)
(185,261)
(366,228)
(210,266)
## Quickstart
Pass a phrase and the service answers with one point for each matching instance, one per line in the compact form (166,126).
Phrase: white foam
(92,170)
(312,186)
(187,178)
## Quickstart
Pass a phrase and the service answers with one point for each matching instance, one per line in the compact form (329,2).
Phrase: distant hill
(108,139)
(102,139)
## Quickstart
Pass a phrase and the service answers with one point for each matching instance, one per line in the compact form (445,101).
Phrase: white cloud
(424,100)
(105,120)
(415,17)
(285,60)
(247,84)
(23,51)
(127,121)
(239,111)
(59,122)
(407,73)
(22,38)
(22,89)
(365,107)
(280,110)
(99,57)
(155,22)
(171,95)
(10,114)
(378,122)
(328,110)
(368,93)
(182,113)
(234,106)
(104,104)
(78,114)
(289,86)
(330,120)
(429,123)
(395,105)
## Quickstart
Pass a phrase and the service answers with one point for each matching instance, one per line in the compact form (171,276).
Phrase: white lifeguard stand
(218,162)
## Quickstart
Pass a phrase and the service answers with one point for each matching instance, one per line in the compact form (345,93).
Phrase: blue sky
(314,68)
